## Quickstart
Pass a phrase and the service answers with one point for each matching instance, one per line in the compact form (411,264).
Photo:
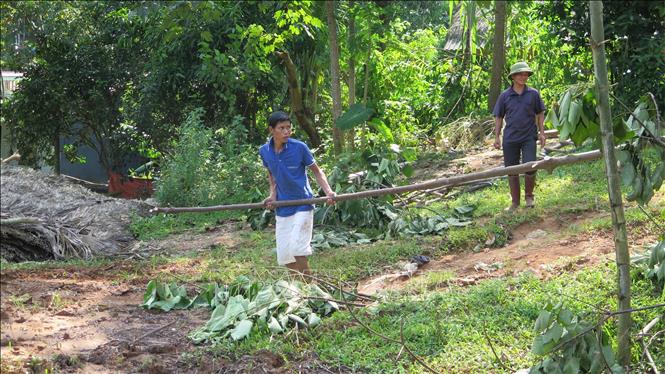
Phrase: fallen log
(548,164)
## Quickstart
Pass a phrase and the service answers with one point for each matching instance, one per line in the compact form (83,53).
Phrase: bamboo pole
(624,321)
(548,164)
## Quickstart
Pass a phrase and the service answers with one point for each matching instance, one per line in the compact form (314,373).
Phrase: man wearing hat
(524,113)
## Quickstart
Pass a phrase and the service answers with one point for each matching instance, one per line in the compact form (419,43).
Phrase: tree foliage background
(131,73)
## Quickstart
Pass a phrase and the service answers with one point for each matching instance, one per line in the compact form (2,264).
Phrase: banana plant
(575,116)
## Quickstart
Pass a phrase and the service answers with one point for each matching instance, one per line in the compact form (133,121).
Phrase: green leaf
(552,119)
(313,320)
(354,116)
(242,329)
(637,189)
(538,346)
(465,210)
(408,170)
(580,135)
(409,154)
(274,326)
(382,129)
(623,156)
(543,321)
(564,132)
(150,293)
(574,114)
(564,106)
(297,319)
(627,174)
(572,365)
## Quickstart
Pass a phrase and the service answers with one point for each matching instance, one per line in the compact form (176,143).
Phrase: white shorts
(294,234)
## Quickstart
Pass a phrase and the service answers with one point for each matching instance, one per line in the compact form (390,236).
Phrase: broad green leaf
(538,346)
(552,119)
(242,329)
(574,114)
(465,209)
(297,319)
(580,134)
(553,334)
(382,129)
(274,326)
(150,293)
(564,131)
(354,116)
(627,173)
(623,156)
(313,320)
(564,105)
(543,321)
(566,317)
(408,170)
(409,154)
(572,365)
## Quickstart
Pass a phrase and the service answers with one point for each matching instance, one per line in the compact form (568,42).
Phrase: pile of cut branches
(464,133)
(44,217)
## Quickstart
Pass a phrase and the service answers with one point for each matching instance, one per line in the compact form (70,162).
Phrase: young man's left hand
(541,137)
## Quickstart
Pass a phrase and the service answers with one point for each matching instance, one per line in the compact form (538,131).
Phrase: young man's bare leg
(303,265)
(299,268)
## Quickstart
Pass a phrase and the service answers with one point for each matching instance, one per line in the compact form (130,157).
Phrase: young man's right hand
(268,202)
(497,143)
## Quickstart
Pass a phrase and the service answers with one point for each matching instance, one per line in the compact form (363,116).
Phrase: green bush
(210,168)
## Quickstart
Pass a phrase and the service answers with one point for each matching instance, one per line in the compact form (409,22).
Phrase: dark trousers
(526,150)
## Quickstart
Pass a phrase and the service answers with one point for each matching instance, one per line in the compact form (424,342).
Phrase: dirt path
(537,247)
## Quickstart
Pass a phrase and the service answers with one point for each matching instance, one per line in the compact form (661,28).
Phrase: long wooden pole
(547,164)
(624,321)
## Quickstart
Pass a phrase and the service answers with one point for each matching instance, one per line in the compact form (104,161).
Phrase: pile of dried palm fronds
(47,217)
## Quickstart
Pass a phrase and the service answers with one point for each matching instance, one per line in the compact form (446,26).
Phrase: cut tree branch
(548,164)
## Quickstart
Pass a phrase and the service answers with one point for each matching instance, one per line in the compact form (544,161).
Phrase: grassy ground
(449,326)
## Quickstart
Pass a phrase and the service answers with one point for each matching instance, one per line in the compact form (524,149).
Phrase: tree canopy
(132,72)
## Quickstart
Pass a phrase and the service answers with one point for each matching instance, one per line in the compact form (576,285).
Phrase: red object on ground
(128,187)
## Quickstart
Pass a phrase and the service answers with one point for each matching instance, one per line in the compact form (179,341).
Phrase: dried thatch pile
(47,217)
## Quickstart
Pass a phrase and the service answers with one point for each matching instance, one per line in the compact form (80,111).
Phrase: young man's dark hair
(277,117)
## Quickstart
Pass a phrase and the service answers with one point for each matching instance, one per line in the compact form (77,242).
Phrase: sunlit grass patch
(162,225)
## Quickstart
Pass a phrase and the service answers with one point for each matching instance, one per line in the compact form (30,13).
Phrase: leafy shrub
(572,344)
(652,265)
(202,170)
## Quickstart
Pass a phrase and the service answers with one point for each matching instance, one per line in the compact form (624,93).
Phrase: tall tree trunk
(56,148)
(498,53)
(334,75)
(295,92)
(363,131)
(350,140)
(607,143)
